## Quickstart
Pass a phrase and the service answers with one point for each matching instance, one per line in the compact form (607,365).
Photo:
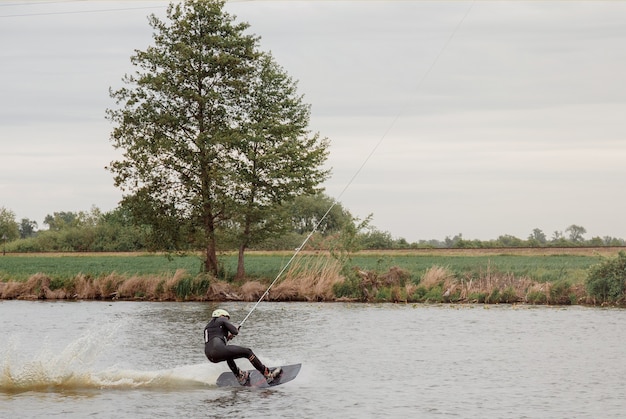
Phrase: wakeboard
(228,379)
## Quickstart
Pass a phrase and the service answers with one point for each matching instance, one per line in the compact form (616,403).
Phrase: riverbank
(491,276)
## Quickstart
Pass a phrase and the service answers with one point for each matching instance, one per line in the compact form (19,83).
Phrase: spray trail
(74,368)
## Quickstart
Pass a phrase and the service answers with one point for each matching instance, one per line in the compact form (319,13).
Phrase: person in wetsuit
(217,333)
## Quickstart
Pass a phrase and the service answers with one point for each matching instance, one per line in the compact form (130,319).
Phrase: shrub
(434,295)
(477,297)
(508,295)
(190,287)
(398,294)
(606,281)
(384,294)
(419,293)
(30,244)
(537,297)
(348,288)
(494,297)
(560,292)
(58,283)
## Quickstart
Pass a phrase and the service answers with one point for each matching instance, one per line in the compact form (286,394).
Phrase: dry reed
(308,279)
(436,275)
(140,287)
(222,291)
(252,290)
(32,289)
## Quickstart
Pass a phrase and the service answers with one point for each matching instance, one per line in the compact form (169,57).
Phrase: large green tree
(278,158)
(9,228)
(67,219)
(576,233)
(319,212)
(61,220)
(27,228)
(212,132)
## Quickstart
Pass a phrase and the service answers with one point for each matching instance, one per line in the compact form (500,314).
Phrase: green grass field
(265,266)
(59,266)
(539,268)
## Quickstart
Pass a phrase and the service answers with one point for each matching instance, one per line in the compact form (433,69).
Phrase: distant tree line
(118,231)
(572,237)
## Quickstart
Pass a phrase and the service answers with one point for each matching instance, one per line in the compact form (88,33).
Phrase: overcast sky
(476,118)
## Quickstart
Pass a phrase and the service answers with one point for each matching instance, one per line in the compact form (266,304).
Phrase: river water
(146,360)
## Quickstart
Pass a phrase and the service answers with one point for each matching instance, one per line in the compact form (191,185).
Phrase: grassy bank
(538,276)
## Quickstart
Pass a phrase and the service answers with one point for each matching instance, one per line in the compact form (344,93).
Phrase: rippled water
(134,359)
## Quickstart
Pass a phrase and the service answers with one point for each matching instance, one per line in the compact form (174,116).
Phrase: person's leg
(233,367)
(235,352)
(269,374)
(219,351)
(242,376)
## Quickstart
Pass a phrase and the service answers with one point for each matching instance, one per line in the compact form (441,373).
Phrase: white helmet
(219,313)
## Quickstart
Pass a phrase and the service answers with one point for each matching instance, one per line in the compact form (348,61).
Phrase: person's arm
(231,328)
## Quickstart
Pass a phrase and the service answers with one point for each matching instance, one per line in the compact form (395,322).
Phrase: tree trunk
(210,257)
(241,269)
(210,260)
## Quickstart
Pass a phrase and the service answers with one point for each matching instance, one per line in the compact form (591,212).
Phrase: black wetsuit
(216,350)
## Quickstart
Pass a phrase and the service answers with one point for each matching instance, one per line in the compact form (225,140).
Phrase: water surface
(140,359)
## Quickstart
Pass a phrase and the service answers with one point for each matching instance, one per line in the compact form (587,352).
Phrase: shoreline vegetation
(550,276)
